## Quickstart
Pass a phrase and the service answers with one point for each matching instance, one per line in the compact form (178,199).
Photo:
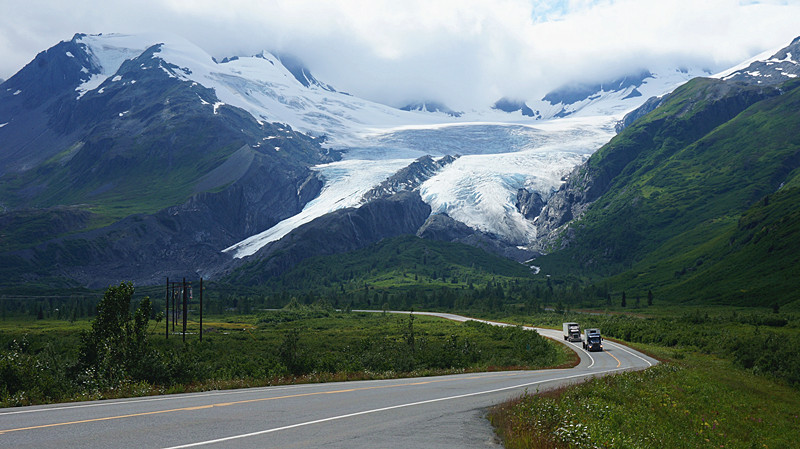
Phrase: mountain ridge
(160,160)
(670,185)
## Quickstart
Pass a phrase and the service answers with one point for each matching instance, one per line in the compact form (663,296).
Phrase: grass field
(39,359)
(730,378)
(690,401)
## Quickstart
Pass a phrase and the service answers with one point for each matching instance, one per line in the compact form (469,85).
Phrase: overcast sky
(461,52)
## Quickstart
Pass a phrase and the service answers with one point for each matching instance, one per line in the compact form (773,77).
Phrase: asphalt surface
(429,412)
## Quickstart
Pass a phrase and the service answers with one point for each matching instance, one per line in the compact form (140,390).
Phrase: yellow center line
(612,355)
(246,401)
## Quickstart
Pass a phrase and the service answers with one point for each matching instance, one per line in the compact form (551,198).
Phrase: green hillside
(753,262)
(701,203)
(163,149)
(141,168)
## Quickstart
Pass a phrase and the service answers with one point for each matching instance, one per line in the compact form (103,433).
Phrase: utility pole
(185,306)
(166,311)
(201,309)
(182,289)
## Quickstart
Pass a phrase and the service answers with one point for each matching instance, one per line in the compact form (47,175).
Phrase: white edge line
(587,353)
(620,346)
(383,409)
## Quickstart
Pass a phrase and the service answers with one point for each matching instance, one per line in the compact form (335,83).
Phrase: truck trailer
(572,332)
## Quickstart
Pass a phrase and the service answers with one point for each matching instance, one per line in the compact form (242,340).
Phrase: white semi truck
(572,331)
(592,340)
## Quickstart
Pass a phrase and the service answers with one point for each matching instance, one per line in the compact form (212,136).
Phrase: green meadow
(728,378)
(43,361)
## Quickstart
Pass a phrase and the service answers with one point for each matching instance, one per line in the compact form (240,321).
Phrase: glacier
(499,152)
(346,182)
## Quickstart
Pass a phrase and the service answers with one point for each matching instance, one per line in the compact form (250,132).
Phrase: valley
(262,118)
(658,204)
(712,369)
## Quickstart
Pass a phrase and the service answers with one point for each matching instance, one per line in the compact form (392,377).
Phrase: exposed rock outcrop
(444,228)
(529,204)
(650,105)
(409,178)
(339,232)
(782,66)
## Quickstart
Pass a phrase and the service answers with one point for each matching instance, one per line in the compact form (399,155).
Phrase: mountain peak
(301,73)
(768,68)
(576,92)
(431,106)
(506,104)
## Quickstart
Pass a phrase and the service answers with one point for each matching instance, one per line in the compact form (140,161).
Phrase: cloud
(465,53)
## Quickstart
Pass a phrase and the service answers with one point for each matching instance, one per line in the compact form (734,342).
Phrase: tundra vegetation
(695,401)
(728,379)
(121,352)
(733,365)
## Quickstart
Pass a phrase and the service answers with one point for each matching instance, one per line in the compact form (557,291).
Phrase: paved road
(431,412)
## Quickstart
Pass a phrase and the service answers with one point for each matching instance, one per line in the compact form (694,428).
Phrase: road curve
(431,412)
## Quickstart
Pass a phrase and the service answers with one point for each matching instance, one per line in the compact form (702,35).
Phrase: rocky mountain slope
(142,176)
(667,203)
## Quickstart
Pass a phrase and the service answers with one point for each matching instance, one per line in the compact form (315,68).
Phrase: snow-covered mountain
(613,97)
(770,67)
(502,150)
(431,106)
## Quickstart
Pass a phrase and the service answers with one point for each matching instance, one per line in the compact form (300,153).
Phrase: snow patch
(116,78)
(4,124)
(17,92)
(619,102)
(70,55)
(93,83)
(217,105)
(107,53)
(763,56)
(788,58)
